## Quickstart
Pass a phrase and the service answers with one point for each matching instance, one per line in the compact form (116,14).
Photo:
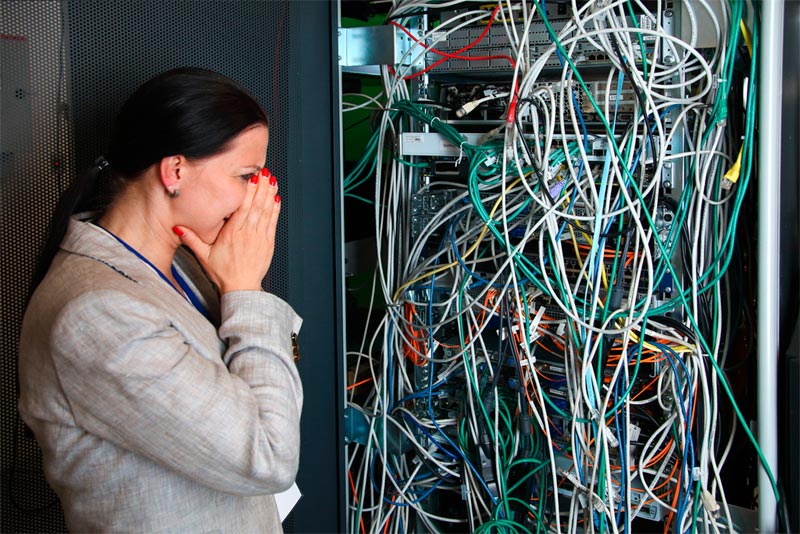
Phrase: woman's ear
(170,170)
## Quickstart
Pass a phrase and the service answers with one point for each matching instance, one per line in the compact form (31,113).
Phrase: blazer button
(295,347)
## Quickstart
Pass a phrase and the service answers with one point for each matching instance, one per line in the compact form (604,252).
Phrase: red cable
(448,55)
(355,496)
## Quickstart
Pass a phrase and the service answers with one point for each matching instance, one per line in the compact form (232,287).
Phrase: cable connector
(709,503)
(611,438)
(533,333)
(732,175)
(494,133)
(468,108)
(584,492)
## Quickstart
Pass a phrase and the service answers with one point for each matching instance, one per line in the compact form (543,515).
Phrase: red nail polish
(177,231)
(265,171)
(273,181)
(254,179)
(278,199)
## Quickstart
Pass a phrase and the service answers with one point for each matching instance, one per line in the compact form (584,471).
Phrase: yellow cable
(676,347)
(732,175)
(467,253)
(746,34)
(603,275)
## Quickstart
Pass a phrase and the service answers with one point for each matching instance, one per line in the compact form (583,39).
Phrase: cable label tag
(533,333)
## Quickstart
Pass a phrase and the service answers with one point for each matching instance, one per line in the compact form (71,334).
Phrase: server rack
(455,71)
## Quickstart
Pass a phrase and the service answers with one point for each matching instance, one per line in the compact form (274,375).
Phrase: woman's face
(213,188)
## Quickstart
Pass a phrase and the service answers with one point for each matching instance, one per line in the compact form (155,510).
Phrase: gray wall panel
(89,55)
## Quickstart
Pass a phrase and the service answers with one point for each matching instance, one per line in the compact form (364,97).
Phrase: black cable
(640,99)
(360,121)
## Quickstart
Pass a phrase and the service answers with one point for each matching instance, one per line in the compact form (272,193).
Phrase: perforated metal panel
(35,161)
(66,69)
(115,46)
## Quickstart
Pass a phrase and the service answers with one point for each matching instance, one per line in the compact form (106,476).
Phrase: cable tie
(697,473)
(460,153)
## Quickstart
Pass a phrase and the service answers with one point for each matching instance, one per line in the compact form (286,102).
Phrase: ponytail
(82,195)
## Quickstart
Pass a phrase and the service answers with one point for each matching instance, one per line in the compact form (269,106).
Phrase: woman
(163,402)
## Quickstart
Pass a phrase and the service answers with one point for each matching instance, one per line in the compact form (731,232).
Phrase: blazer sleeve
(131,378)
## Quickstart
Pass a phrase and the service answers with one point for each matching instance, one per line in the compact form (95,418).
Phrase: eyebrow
(254,168)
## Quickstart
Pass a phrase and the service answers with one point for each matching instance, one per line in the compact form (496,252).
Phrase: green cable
(657,240)
(419,165)
(639,37)
(362,199)
(695,508)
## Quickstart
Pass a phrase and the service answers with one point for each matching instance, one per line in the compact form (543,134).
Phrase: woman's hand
(241,255)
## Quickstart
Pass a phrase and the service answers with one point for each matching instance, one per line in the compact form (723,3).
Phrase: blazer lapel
(89,240)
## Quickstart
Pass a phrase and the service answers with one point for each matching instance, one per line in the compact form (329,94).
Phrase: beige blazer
(150,417)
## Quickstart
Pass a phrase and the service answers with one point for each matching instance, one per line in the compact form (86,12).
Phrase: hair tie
(101,163)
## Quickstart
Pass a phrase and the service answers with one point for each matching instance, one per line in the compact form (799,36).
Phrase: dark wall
(789,433)
(281,52)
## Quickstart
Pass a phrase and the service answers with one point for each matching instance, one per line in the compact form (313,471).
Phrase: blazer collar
(87,239)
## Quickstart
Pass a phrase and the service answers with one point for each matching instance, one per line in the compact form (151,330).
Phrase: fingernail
(278,199)
(265,171)
(273,181)
(177,231)
(254,179)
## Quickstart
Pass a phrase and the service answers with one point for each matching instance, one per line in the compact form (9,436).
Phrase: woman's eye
(246,177)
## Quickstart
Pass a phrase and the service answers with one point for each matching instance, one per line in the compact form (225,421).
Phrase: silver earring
(172,192)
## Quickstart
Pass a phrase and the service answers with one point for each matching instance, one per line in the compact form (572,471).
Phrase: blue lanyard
(181,282)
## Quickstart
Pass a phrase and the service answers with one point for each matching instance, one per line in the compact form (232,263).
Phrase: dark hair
(188,111)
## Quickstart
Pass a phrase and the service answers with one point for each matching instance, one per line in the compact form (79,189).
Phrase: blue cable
(430,394)
(689,448)
(429,436)
(399,483)
(389,365)
(621,430)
